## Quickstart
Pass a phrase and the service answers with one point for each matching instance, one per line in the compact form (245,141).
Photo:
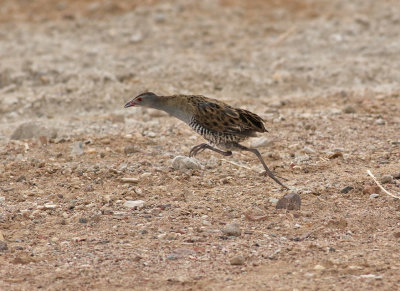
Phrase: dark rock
(83,220)
(3,246)
(21,178)
(290,201)
(346,189)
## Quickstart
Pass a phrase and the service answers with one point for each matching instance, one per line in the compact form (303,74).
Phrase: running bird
(220,124)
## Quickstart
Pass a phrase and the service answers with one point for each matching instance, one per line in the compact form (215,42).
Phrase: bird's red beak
(130,104)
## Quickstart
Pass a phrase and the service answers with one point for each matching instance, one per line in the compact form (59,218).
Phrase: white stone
(185,163)
(137,37)
(308,150)
(134,204)
(50,206)
(77,148)
(273,200)
(319,267)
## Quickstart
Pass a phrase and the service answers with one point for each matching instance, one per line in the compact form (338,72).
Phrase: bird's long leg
(267,170)
(201,147)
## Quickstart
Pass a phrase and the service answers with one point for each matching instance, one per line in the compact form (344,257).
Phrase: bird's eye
(139,99)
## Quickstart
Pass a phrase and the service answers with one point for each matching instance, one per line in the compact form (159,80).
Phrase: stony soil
(324,75)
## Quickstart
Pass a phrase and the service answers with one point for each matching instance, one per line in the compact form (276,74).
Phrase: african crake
(220,124)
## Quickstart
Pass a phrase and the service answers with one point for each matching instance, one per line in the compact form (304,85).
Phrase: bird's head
(146,99)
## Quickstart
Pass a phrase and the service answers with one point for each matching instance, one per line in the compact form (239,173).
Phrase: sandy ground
(324,75)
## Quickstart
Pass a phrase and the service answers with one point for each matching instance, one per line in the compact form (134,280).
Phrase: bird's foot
(196,150)
(275,178)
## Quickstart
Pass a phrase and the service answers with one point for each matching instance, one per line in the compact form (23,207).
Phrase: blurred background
(60,60)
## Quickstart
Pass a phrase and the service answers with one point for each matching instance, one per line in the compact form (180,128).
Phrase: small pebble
(130,149)
(137,37)
(180,253)
(346,189)
(290,201)
(21,178)
(237,261)
(149,134)
(83,220)
(130,180)
(89,188)
(308,150)
(3,246)
(232,229)
(387,179)
(2,200)
(349,109)
(374,195)
(319,267)
(335,155)
(371,189)
(273,200)
(48,206)
(91,151)
(77,148)
(136,204)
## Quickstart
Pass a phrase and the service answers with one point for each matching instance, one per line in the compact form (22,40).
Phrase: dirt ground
(324,75)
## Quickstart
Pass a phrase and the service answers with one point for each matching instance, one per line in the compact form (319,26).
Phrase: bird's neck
(174,106)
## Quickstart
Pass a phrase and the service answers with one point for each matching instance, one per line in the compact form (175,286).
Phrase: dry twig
(380,186)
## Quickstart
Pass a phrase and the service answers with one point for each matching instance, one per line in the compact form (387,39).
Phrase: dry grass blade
(380,186)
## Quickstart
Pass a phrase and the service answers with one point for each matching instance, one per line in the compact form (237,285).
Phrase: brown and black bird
(220,124)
